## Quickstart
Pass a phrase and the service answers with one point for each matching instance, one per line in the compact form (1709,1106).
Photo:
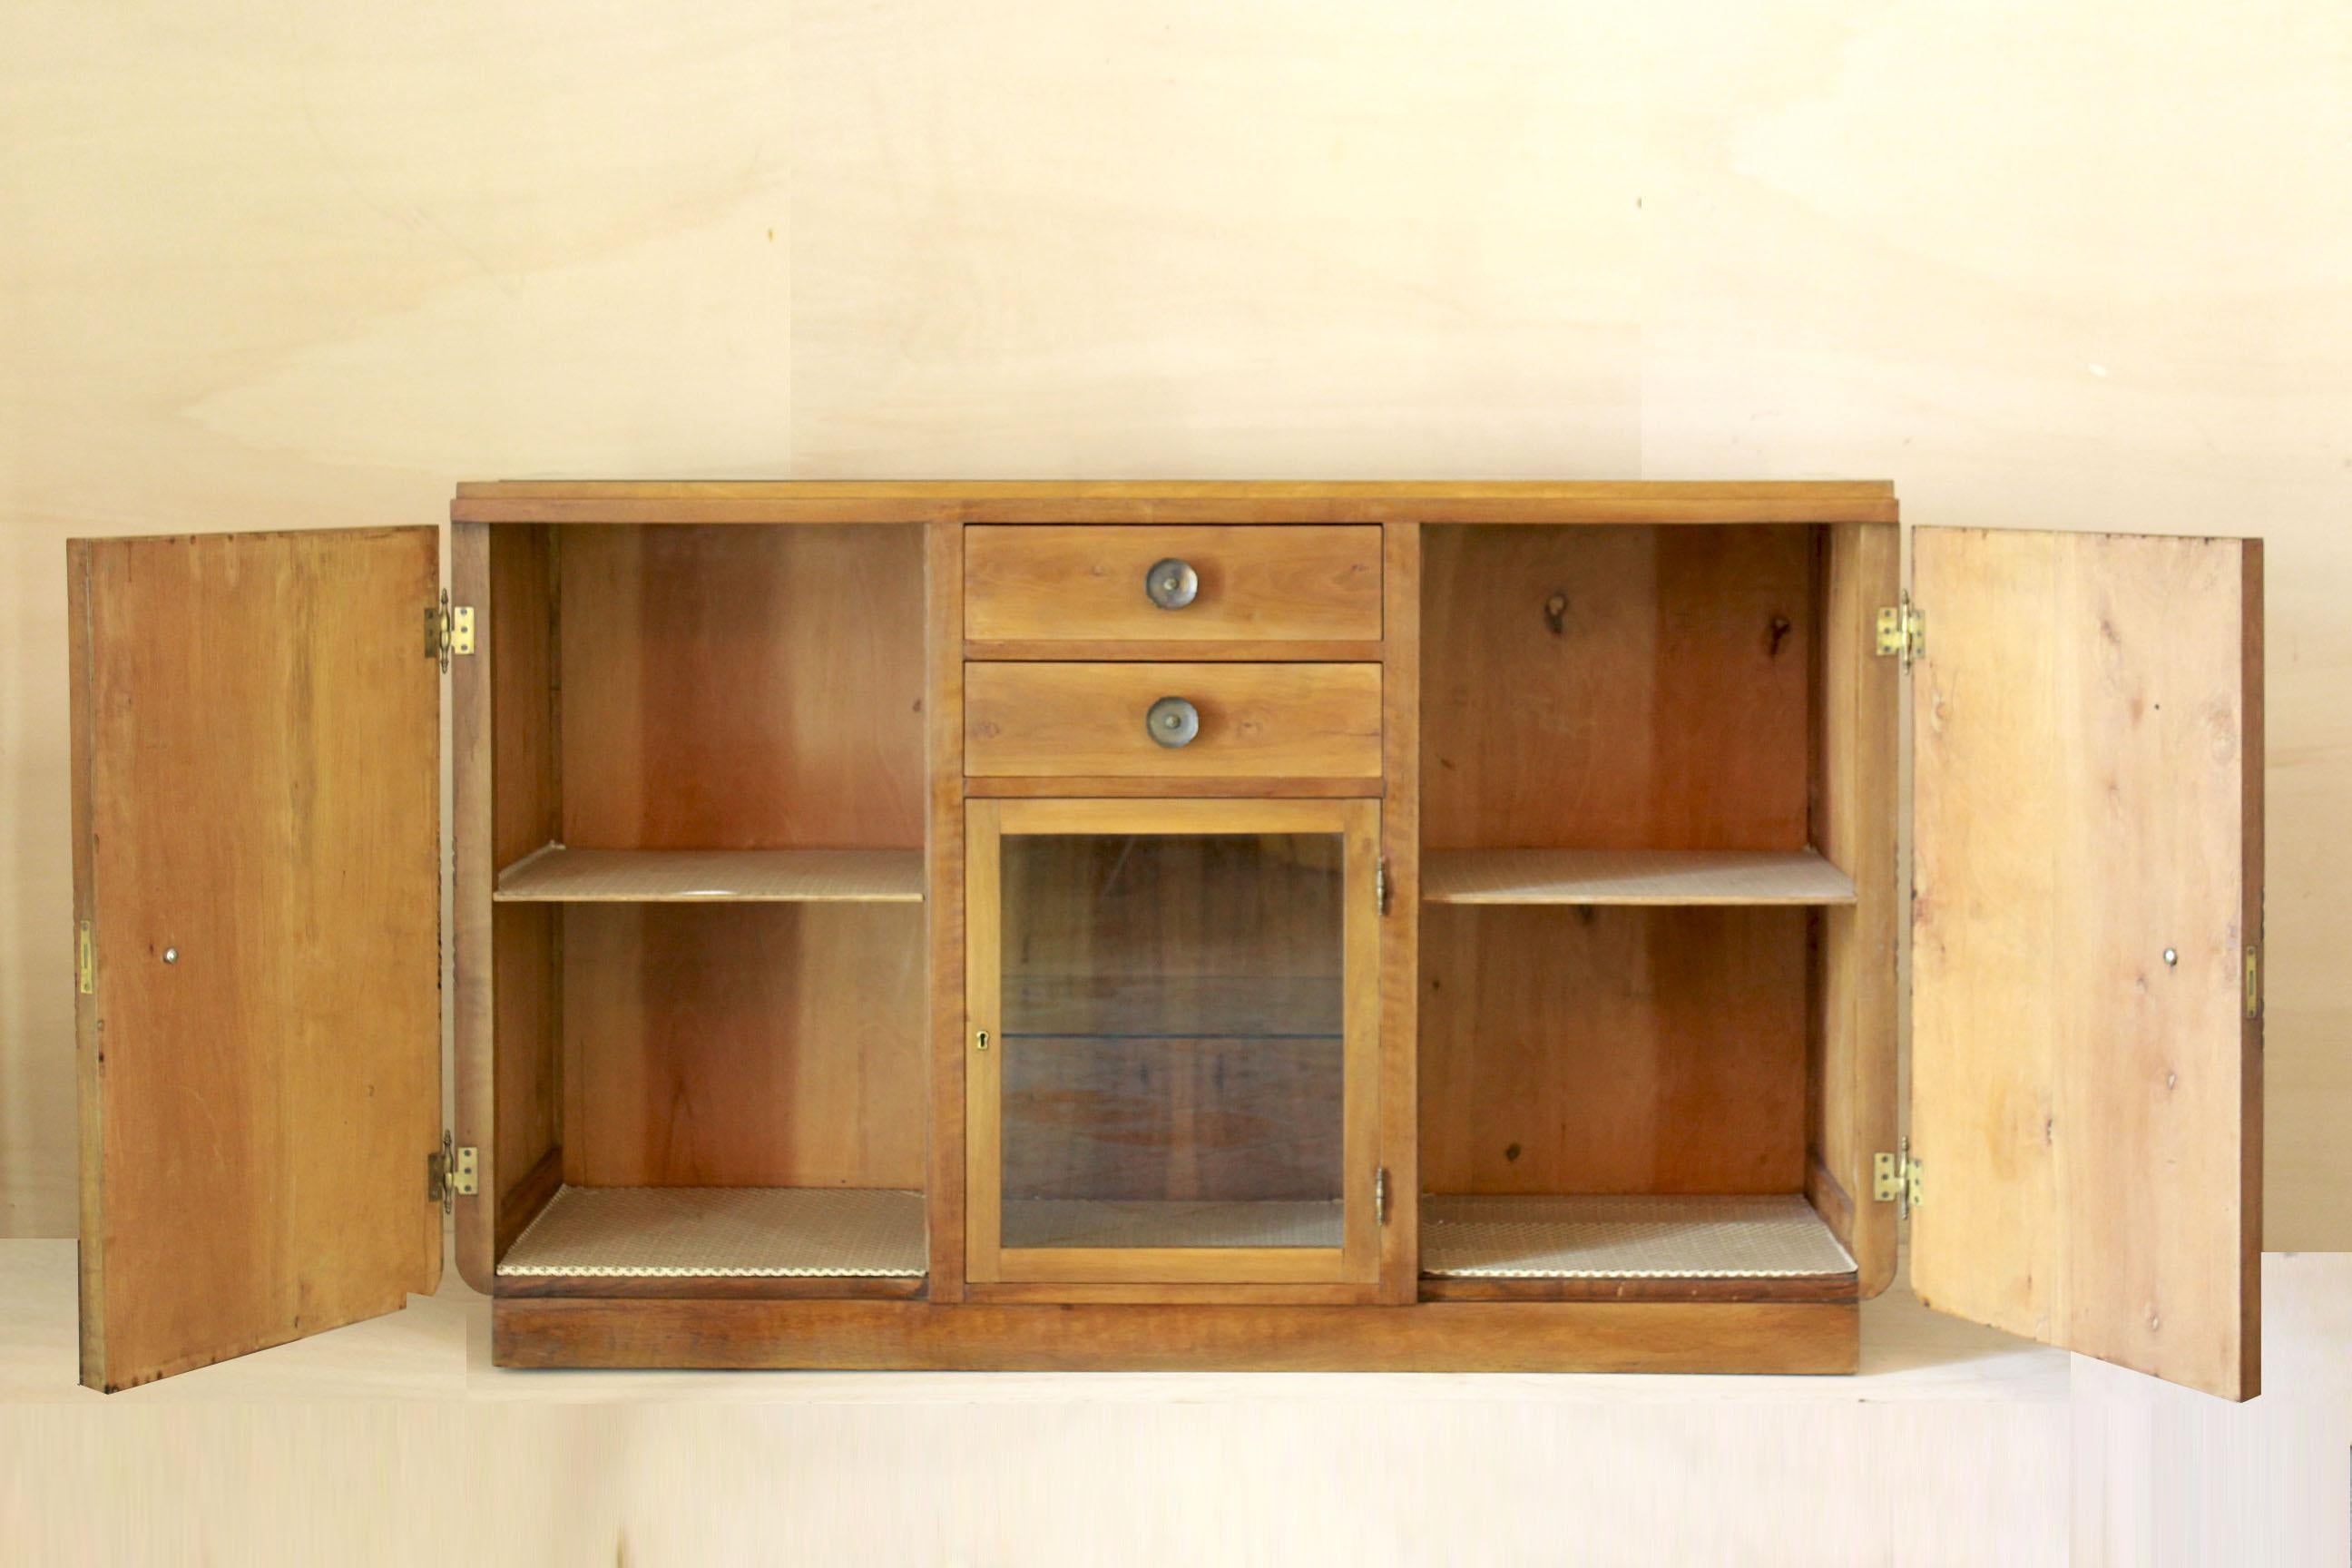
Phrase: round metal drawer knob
(1172,721)
(1172,584)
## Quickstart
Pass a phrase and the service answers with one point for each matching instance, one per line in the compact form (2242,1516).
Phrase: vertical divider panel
(507,1039)
(1366,1056)
(553,1026)
(472,875)
(89,1079)
(981,1099)
(521,806)
(1855,810)
(1399,959)
(943,904)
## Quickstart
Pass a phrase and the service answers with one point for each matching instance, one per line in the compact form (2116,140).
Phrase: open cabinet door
(2086,1029)
(255,818)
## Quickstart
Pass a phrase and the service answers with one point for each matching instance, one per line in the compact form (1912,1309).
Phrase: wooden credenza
(1382,926)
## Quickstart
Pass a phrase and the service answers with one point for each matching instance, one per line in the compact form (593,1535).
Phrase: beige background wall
(288,265)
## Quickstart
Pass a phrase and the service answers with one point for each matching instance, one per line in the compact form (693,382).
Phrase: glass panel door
(1179,1001)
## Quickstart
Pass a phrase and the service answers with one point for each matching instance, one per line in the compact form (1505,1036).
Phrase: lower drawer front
(1245,720)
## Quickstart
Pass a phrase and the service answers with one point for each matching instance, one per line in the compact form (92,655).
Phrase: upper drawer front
(1246,720)
(1066,584)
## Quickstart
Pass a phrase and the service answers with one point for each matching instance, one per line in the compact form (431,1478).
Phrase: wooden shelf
(1636,1237)
(723,1233)
(559,875)
(1630,877)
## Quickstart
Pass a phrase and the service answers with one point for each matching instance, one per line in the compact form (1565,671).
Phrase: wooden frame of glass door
(1357,1259)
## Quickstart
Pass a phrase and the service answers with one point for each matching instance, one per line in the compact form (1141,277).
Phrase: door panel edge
(88,1079)
(2252,758)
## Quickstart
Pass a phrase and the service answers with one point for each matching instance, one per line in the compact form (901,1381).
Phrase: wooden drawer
(1257,720)
(1080,584)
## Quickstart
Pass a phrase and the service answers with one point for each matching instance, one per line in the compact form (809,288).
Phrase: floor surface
(1955,1445)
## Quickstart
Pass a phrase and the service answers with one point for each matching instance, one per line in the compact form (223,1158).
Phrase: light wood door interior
(707,799)
(257,804)
(2086,1040)
(1179,1003)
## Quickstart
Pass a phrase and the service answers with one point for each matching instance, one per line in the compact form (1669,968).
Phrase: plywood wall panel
(278,265)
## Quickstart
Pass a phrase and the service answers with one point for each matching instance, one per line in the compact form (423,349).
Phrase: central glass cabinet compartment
(1173,1010)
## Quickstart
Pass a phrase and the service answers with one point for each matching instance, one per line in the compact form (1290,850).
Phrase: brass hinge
(451,1174)
(1381,1194)
(86,960)
(1380,885)
(1902,632)
(2253,979)
(1897,1179)
(448,629)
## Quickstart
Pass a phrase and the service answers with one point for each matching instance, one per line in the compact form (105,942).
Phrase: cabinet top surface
(1282,500)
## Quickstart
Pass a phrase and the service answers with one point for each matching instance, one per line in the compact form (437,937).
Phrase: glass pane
(1172,1037)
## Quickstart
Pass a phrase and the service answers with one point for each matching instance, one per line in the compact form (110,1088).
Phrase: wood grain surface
(1632,876)
(1807,1337)
(1264,583)
(259,796)
(1612,1050)
(1615,687)
(742,689)
(558,874)
(743,1045)
(2085,1062)
(1255,719)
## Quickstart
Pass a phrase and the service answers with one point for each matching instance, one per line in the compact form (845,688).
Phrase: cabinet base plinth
(1445,1336)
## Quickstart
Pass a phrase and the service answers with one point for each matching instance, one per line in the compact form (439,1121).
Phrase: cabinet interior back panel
(742,687)
(1612,1049)
(743,1045)
(1616,688)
